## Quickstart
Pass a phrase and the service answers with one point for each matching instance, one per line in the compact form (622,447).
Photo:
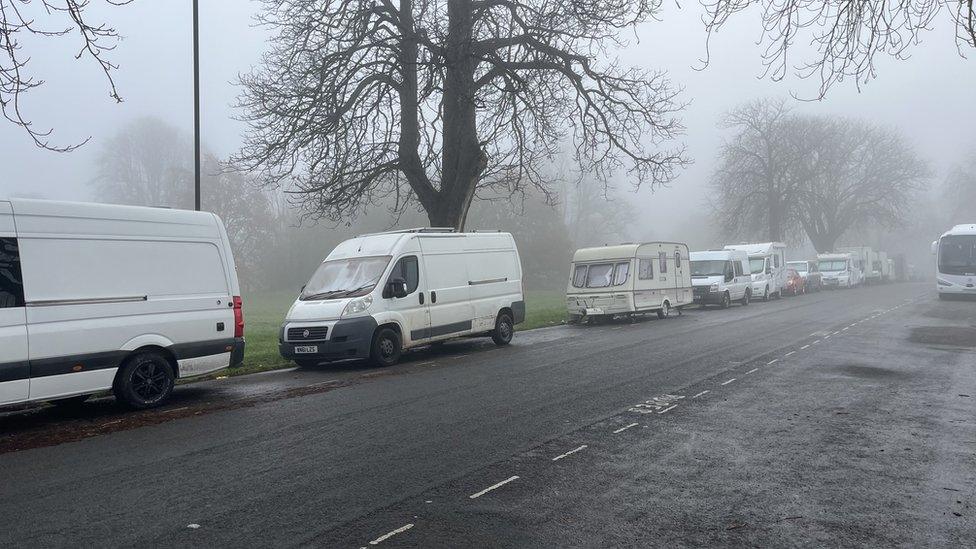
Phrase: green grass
(264,313)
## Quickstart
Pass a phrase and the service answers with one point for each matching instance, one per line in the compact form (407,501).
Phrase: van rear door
(14,368)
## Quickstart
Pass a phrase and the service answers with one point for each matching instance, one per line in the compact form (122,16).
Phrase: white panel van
(720,277)
(839,270)
(96,297)
(627,279)
(377,295)
(767,262)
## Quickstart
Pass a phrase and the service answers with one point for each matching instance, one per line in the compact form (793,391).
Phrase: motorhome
(721,277)
(96,297)
(955,253)
(377,295)
(864,266)
(767,265)
(882,265)
(839,270)
(629,279)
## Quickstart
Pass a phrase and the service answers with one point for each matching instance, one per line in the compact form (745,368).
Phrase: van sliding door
(449,303)
(14,368)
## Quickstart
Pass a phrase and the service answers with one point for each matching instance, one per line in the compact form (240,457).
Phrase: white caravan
(955,253)
(377,295)
(767,263)
(864,258)
(839,270)
(96,297)
(720,277)
(629,279)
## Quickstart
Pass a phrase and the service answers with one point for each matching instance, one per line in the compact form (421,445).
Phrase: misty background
(927,98)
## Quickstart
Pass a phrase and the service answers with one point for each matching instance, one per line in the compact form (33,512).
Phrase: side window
(736,268)
(645,268)
(408,269)
(677,260)
(11,281)
(620,273)
(579,276)
(662,258)
(776,262)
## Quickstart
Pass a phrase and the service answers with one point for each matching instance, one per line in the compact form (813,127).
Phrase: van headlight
(357,306)
(713,288)
(941,282)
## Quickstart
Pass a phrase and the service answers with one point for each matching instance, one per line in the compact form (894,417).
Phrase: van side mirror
(395,287)
(769,270)
(935,247)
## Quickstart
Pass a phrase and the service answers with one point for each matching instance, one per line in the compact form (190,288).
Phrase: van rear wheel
(144,381)
(664,311)
(504,329)
(386,347)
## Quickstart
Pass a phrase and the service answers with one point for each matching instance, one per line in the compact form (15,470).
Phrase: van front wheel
(504,329)
(386,347)
(145,380)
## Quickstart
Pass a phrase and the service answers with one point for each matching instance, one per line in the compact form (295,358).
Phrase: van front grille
(309,333)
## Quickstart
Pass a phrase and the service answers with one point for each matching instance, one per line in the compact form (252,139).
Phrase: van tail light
(238,317)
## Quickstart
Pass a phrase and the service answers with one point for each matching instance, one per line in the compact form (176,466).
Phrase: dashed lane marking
(773,361)
(668,409)
(389,535)
(624,428)
(493,487)
(569,453)
(815,342)
(790,353)
(729,381)
(703,393)
(751,371)
(805,347)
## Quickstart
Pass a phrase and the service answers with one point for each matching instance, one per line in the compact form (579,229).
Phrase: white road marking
(790,353)
(569,453)
(805,347)
(701,394)
(492,487)
(846,328)
(815,342)
(424,363)
(827,336)
(729,381)
(751,371)
(773,361)
(668,408)
(624,428)
(193,526)
(389,535)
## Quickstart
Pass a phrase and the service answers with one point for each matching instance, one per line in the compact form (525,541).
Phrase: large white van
(627,279)
(839,270)
(767,264)
(377,295)
(96,297)
(720,277)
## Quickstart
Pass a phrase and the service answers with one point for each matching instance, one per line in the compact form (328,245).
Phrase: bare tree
(959,192)
(437,101)
(847,34)
(19,18)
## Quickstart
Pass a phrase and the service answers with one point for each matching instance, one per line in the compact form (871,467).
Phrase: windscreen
(757,265)
(710,267)
(799,266)
(832,265)
(342,278)
(957,254)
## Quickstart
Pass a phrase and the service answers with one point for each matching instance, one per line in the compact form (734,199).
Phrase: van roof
(965,229)
(92,210)
(705,255)
(761,248)
(618,251)
(835,256)
(389,243)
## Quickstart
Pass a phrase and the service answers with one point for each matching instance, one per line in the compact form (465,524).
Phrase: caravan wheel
(665,310)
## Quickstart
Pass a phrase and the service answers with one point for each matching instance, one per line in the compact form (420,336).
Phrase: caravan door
(680,267)
(14,368)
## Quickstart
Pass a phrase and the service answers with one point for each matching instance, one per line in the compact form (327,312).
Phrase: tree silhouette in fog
(437,102)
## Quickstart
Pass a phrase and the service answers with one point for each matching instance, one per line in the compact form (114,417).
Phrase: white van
(839,270)
(720,277)
(767,264)
(377,295)
(96,297)
(955,263)
(627,279)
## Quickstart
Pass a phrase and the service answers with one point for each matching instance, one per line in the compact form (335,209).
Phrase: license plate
(306,349)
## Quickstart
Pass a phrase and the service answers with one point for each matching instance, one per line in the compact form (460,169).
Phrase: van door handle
(433,297)
(421,298)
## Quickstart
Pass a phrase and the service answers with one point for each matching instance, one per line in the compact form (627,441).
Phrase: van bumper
(350,338)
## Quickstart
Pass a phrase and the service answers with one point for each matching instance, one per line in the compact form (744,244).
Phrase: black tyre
(71,402)
(746,298)
(665,310)
(766,294)
(145,380)
(726,300)
(386,347)
(504,329)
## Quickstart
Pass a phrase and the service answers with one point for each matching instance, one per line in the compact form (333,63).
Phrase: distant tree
(595,215)
(48,19)
(847,34)
(959,192)
(435,101)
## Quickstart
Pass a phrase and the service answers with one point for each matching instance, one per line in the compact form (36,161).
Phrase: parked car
(96,297)
(812,278)
(767,262)
(795,284)
(628,279)
(720,277)
(378,295)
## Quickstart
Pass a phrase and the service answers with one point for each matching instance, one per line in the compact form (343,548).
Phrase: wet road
(844,418)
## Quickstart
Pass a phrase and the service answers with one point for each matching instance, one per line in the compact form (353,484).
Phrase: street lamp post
(196,105)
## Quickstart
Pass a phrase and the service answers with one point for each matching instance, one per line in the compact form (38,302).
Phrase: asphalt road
(844,418)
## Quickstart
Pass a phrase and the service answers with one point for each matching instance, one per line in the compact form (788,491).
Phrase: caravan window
(599,275)
(579,276)
(621,273)
(645,269)
(677,260)
(11,281)
(663,259)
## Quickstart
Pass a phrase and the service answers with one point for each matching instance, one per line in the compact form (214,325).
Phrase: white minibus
(956,261)
(767,262)
(839,270)
(720,277)
(378,295)
(96,297)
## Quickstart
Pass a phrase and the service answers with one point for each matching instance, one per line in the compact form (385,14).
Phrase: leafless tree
(847,34)
(437,101)
(19,19)
(959,191)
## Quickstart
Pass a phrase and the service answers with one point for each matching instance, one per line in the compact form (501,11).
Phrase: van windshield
(341,278)
(711,267)
(957,254)
(832,265)
(757,265)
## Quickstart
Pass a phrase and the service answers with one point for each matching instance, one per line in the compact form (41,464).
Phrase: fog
(928,97)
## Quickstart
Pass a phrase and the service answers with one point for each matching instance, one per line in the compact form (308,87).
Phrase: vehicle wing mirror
(396,287)
(935,247)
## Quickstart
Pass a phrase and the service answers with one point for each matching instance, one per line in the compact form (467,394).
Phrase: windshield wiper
(322,295)
(366,286)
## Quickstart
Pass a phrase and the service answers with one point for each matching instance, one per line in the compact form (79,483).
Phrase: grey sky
(929,97)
